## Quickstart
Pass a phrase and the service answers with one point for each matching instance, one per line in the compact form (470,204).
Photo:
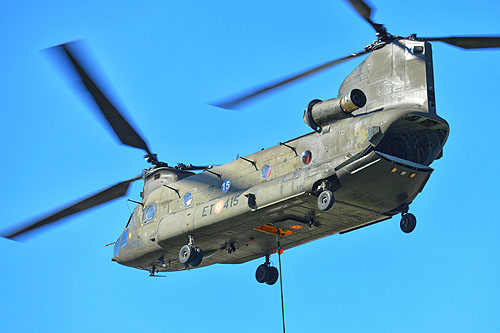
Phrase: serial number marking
(219,206)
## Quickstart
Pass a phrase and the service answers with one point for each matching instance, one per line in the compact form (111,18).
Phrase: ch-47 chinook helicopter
(365,161)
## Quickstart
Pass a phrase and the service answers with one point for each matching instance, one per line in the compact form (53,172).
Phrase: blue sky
(165,61)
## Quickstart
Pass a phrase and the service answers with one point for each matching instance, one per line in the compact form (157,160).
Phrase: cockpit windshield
(116,248)
(130,219)
(122,240)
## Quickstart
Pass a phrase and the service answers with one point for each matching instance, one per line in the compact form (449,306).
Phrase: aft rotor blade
(240,99)
(112,192)
(363,9)
(467,42)
(365,12)
(125,132)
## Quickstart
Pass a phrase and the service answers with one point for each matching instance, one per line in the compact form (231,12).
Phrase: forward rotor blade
(240,99)
(467,42)
(125,132)
(112,192)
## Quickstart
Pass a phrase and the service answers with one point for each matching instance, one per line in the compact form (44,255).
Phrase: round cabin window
(266,171)
(149,213)
(306,157)
(188,198)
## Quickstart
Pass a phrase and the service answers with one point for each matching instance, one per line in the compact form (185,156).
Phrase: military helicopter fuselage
(364,162)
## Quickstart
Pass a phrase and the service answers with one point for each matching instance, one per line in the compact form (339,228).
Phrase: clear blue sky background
(165,60)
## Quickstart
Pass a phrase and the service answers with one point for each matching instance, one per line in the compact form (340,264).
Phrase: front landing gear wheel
(273,276)
(190,255)
(408,222)
(198,256)
(326,200)
(186,254)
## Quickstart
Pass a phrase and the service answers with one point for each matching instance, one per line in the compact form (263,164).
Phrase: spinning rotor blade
(249,95)
(467,42)
(125,132)
(112,192)
(365,12)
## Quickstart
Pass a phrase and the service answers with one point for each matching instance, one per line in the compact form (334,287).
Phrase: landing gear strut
(189,255)
(408,222)
(267,273)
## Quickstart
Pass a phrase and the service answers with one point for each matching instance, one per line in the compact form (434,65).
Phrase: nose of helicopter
(120,259)
(116,251)
(120,244)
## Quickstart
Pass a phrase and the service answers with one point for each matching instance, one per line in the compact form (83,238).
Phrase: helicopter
(366,160)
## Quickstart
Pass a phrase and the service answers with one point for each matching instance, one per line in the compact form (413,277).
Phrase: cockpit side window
(116,247)
(149,213)
(123,240)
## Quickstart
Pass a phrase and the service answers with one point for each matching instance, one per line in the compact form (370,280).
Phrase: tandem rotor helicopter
(366,159)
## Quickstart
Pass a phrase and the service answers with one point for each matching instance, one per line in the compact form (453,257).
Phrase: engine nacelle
(321,113)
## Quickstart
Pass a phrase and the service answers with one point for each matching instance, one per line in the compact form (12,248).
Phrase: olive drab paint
(366,160)
(354,156)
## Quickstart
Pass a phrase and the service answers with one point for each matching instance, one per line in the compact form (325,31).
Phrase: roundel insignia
(219,206)
(226,185)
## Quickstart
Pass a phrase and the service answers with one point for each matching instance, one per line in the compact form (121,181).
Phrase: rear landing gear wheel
(326,200)
(408,222)
(266,273)
(262,273)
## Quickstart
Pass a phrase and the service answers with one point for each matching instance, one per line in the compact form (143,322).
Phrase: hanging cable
(279,250)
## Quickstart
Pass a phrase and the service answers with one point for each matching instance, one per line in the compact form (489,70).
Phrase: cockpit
(124,237)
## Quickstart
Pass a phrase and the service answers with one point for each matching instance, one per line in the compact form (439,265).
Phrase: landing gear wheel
(197,257)
(326,200)
(273,276)
(408,222)
(262,273)
(186,254)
